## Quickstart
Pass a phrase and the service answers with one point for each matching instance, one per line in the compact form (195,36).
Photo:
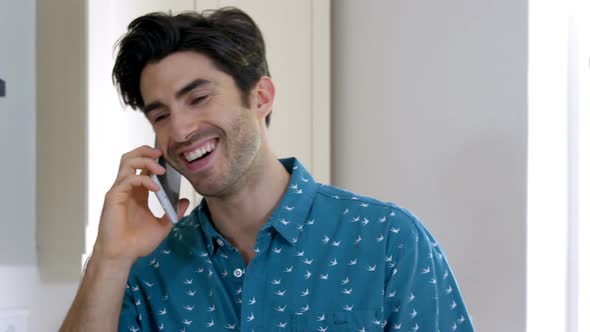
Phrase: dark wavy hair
(227,36)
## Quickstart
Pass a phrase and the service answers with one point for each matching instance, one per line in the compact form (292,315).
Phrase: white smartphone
(169,192)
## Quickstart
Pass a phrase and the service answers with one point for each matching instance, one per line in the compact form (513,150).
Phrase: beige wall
(429,111)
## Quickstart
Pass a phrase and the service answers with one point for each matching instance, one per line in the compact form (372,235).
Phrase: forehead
(176,70)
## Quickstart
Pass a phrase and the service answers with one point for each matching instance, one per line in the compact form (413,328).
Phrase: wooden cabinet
(84,129)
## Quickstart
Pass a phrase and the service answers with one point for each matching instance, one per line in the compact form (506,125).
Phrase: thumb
(183,204)
(182,207)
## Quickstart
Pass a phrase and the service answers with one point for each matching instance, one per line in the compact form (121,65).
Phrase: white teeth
(198,153)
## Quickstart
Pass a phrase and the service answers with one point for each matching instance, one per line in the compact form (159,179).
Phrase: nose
(183,125)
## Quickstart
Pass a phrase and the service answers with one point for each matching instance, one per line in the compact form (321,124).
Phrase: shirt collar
(288,218)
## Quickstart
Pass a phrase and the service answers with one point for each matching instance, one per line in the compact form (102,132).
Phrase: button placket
(250,290)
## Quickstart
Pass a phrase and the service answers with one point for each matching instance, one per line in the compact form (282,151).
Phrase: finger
(134,181)
(142,151)
(130,167)
(165,223)
(183,205)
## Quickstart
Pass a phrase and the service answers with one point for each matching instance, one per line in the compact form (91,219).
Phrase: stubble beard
(242,148)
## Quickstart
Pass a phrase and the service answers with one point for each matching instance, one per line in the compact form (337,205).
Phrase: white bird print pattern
(323,254)
(358,240)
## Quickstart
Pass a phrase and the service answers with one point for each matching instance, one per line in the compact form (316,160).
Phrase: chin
(208,189)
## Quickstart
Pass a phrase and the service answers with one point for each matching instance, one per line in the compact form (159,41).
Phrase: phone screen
(169,193)
(170,182)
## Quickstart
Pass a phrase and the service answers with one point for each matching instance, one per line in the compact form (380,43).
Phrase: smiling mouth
(201,152)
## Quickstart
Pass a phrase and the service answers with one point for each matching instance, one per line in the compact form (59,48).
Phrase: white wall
(22,286)
(429,111)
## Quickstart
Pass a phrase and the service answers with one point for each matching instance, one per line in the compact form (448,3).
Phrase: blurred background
(471,114)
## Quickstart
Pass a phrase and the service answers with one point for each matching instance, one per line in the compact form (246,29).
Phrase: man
(268,248)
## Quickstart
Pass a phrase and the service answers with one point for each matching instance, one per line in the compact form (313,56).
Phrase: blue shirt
(327,260)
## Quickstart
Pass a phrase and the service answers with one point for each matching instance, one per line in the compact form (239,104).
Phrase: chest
(285,287)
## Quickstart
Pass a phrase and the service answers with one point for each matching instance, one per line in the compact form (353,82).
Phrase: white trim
(547,208)
(572,157)
(320,93)
(579,292)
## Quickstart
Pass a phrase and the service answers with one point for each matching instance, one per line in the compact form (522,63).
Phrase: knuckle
(142,179)
(109,194)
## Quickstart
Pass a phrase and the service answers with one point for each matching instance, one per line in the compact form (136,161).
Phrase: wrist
(110,268)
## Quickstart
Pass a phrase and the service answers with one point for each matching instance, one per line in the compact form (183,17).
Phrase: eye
(160,117)
(199,100)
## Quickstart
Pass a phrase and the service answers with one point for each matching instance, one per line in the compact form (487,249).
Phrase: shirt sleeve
(421,293)
(129,317)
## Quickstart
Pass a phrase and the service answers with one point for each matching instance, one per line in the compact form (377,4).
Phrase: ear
(265,96)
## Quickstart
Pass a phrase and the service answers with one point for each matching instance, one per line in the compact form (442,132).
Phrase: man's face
(200,122)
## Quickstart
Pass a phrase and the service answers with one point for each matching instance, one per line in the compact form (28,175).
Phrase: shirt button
(238,273)
(220,242)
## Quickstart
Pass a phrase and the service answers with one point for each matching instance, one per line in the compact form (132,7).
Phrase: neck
(240,214)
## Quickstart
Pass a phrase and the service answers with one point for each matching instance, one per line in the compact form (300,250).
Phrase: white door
(113,130)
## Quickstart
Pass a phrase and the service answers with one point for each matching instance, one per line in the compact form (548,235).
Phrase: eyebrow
(183,91)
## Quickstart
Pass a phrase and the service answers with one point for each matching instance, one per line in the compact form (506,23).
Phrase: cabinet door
(299,67)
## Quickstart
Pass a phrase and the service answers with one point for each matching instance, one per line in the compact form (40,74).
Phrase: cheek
(162,143)
(246,122)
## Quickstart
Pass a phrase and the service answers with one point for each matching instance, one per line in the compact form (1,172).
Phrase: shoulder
(400,220)
(370,216)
